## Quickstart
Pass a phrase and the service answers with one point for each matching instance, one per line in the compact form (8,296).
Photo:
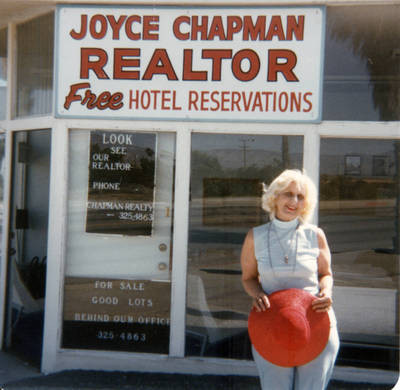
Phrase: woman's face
(290,202)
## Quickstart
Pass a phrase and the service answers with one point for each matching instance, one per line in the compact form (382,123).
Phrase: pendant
(286,259)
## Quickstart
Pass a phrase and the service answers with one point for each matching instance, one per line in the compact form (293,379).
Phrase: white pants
(314,375)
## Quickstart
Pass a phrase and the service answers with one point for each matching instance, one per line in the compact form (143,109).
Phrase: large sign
(197,63)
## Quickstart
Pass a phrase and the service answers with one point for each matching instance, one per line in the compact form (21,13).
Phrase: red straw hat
(290,333)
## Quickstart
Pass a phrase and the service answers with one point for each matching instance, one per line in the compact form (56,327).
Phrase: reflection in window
(35,66)
(353,165)
(380,166)
(226,176)
(362,63)
(359,212)
(3,73)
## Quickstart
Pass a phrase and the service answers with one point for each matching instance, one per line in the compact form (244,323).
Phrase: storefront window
(359,212)
(362,63)
(117,277)
(226,176)
(27,245)
(3,73)
(35,40)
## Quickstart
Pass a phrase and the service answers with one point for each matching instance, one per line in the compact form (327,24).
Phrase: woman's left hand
(322,303)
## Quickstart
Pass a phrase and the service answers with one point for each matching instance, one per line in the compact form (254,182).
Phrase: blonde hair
(280,183)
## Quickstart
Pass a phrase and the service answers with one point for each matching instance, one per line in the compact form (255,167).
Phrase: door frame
(5,235)
(55,358)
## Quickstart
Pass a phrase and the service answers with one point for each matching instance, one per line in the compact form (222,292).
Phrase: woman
(288,253)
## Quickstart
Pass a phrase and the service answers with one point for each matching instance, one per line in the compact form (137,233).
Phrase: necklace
(286,255)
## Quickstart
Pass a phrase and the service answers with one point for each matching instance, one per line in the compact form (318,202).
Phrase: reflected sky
(237,141)
(343,146)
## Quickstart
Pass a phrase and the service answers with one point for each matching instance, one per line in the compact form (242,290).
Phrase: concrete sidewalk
(15,374)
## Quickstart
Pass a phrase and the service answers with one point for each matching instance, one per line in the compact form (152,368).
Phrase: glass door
(28,243)
(118,261)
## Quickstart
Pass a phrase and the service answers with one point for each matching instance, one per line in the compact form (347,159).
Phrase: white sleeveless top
(274,240)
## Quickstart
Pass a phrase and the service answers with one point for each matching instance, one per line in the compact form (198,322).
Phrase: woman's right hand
(261,302)
(250,277)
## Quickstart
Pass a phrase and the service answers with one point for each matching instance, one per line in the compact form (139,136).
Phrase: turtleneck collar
(285,225)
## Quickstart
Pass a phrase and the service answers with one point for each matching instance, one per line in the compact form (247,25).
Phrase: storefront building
(134,141)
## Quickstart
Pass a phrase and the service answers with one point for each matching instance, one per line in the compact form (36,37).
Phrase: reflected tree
(373,32)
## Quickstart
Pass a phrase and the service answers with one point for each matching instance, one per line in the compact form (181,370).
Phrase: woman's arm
(250,278)
(325,278)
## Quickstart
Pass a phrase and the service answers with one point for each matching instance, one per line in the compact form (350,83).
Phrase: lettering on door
(121,183)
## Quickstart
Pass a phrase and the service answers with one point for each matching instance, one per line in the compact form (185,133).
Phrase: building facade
(134,141)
